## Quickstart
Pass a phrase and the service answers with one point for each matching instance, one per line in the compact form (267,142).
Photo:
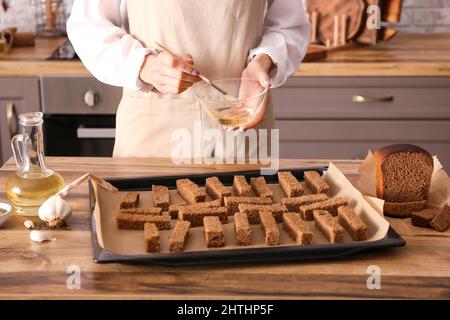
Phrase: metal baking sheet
(231,256)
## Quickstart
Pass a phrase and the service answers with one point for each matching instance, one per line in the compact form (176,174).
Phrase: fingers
(171,85)
(176,84)
(170,89)
(188,58)
(260,68)
(257,118)
(263,77)
(175,79)
(174,75)
(179,75)
(181,64)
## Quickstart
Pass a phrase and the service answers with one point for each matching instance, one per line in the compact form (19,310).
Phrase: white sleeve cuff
(278,76)
(135,61)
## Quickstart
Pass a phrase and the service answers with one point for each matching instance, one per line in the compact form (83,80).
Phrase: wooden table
(30,270)
(407,55)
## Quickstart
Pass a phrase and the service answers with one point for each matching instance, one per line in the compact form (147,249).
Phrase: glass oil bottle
(33,183)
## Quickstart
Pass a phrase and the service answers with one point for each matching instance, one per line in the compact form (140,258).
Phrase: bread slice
(441,222)
(404,209)
(403,173)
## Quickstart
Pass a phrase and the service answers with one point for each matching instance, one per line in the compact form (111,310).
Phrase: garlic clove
(29,224)
(55,211)
(41,236)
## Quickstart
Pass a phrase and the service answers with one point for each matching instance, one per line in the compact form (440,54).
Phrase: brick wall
(22,14)
(418,15)
(426,16)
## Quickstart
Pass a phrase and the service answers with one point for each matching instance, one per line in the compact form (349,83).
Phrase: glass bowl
(5,213)
(243,100)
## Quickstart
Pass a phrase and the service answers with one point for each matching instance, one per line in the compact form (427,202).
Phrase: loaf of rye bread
(403,178)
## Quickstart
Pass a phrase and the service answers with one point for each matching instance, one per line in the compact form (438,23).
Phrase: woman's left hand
(259,68)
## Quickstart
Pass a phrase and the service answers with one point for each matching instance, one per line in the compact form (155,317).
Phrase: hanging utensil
(5,5)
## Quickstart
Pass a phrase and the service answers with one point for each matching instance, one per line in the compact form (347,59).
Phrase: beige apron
(217,33)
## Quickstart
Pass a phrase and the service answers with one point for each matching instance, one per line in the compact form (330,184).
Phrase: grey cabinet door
(17,95)
(351,139)
(363,98)
(342,118)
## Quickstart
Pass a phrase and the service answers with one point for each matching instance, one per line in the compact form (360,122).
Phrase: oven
(79,116)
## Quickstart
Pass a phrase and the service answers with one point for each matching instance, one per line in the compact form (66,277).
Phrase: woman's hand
(169,74)
(259,68)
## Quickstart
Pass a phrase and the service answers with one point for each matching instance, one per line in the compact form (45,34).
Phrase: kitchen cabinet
(344,117)
(17,95)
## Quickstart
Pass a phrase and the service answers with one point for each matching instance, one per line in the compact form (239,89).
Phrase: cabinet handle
(366,99)
(11,118)
(96,133)
(91,99)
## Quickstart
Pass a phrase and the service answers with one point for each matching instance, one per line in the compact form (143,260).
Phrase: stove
(64,52)
(79,112)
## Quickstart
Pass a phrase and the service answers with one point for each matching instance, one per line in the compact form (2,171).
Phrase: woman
(261,39)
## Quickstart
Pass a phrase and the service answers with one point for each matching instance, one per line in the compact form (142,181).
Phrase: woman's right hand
(169,74)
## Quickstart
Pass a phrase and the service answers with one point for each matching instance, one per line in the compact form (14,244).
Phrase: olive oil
(231,117)
(33,183)
(27,193)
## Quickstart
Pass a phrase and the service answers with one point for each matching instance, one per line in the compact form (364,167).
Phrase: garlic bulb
(40,236)
(55,211)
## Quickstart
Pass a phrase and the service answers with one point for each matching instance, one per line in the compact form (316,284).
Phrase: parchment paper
(131,242)
(439,196)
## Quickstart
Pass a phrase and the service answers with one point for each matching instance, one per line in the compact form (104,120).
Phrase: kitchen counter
(31,270)
(407,55)
(31,61)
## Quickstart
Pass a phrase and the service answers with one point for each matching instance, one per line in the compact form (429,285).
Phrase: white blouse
(98,30)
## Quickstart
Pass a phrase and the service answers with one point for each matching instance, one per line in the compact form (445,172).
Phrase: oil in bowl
(247,98)
(231,117)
